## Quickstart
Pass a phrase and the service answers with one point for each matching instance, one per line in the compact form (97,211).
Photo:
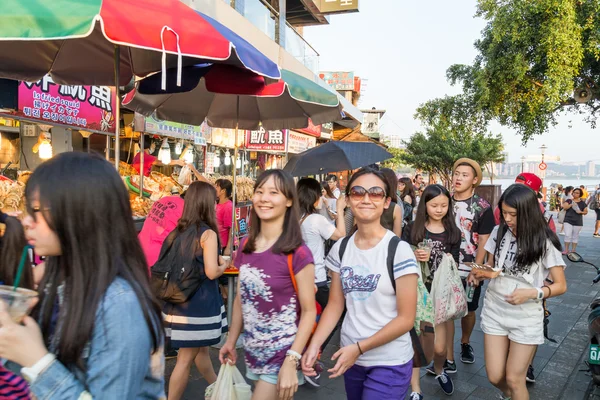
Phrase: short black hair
(466,164)
(226,185)
(309,191)
(331,177)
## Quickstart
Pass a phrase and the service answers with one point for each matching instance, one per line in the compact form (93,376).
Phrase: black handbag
(178,274)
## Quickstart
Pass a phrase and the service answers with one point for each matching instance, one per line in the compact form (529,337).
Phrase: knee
(514,381)
(496,378)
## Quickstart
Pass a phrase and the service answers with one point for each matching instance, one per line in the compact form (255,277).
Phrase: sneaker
(313,380)
(467,355)
(597,235)
(415,396)
(562,233)
(170,353)
(445,383)
(530,376)
(450,367)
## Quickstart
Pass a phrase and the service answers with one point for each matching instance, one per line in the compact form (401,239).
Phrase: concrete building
(591,168)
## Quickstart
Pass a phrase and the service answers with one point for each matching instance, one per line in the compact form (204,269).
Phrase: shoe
(562,233)
(313,380)
(564,253)
(450,367)
(597,235)
(445,383)
(467,355)
(171,353)
(415,396)
(530,376)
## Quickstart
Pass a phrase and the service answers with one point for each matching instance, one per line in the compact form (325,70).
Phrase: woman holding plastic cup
(96,331)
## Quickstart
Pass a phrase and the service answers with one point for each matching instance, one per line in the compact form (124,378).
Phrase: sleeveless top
(387,218)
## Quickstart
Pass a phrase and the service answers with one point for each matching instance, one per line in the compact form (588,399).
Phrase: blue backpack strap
(391,255)
(343,246)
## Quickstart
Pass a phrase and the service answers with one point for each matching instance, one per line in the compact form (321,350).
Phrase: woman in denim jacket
(99,331)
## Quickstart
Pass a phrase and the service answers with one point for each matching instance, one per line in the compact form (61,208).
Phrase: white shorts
(523,324)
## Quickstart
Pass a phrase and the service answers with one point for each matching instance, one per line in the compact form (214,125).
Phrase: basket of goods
(126,169)
(152,188)
(140,207)
(12,196)
(167,182)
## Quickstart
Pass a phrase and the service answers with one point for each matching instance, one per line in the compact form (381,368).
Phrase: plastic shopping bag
(185,176)
(425,312)
(449,298)
(230,385)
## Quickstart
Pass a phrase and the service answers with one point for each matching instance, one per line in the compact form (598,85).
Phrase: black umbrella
(334,157)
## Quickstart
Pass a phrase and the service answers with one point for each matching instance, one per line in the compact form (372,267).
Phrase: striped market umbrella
(108,42)
(232,98)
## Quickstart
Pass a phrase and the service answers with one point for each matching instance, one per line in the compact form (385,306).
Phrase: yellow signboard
(337,6)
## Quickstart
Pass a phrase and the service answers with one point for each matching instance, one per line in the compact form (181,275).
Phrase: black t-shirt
(439,243)
(571,217)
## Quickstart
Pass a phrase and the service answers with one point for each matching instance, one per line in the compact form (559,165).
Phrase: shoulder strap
(291,269)
(392,246)
(343,246)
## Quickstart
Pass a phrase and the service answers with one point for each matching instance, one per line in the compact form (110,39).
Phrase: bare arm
(332,313)
(209,244)
(306,295)
(197,174)
(340,223)
(481,253)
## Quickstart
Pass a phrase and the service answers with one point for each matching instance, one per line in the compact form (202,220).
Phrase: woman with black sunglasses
(376,351)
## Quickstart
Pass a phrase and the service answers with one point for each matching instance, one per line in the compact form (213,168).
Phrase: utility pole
(522,163)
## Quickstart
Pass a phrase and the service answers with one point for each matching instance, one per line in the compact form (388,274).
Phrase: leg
(597,227)
(575,240)
(467,324)
(568,236)
(450,331)
(496,354)
(354,380)
(264,391)
(205,366)
(516,369)
(415,380)
(441,344)
(181,372)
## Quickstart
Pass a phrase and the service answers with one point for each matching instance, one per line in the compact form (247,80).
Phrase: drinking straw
(21,265)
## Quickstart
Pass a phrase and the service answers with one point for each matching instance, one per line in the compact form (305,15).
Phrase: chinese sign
(337,6)
(199,134)
(86,107)
(242,218)
(266,140)
(338,80)
(226,137)
(209,163)
(312,129)
(297,142)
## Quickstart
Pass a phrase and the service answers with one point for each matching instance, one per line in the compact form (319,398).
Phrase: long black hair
(12,244)
(532,230)
(309,191)
(198,209)
(418,228)
(291,238)
(84,201)
(409,190)
(392,179)
(328,193)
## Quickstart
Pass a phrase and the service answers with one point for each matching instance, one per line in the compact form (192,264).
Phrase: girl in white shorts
(526,252)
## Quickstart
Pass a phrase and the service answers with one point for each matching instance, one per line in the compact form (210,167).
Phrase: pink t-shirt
(224,214)
(148,161)
(161,220)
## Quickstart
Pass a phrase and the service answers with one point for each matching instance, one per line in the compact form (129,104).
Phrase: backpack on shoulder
(419,360)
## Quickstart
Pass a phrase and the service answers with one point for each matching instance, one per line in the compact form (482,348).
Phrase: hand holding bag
(230,385)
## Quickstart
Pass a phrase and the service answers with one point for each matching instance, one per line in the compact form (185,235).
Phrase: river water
(590,184)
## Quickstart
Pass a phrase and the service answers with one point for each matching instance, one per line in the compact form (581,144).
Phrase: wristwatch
(540,294)
(31,374)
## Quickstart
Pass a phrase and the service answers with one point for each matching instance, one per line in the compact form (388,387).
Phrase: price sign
(542,166)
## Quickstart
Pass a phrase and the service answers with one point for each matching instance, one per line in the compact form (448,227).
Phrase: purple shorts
(379,382)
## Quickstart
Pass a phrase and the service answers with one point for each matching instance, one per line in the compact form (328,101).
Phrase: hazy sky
(402,50)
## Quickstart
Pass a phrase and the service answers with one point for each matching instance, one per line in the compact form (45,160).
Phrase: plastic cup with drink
(18,302)
(426,247)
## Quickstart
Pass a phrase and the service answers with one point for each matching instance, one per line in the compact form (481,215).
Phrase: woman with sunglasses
(96,331)
(376,350)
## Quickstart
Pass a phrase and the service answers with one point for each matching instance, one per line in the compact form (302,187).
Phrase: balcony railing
(300,49)
(261,16)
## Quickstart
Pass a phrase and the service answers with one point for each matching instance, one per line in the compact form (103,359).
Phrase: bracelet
(359,349)
(294,354)
(549,291)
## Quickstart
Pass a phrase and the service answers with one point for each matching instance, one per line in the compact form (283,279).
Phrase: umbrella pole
(142,152)
(233,174)
(117,106)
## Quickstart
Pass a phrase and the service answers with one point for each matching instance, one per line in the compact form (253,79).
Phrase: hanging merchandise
(227,158)
(164,154)
(217,160)
(238,163)
(189,154)
(178,148)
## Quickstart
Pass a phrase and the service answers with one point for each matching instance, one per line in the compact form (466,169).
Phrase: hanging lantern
(217,160)
(45,149)
(189,154)
(178,148)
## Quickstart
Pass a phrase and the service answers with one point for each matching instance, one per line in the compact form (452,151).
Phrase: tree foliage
(395,162)
(453,129)
(532,56)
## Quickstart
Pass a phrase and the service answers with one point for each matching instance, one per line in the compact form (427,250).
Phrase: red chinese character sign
(85,107)
(263,140)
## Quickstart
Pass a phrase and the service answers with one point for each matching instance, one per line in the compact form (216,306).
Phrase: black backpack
(178,274)
(419,358)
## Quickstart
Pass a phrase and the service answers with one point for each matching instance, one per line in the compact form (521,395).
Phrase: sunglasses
(376,193)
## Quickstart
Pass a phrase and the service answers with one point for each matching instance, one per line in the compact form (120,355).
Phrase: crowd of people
(351,261)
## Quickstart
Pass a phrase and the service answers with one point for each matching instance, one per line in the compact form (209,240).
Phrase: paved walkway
(557,365)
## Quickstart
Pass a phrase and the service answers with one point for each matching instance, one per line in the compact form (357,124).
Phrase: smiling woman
(376,346)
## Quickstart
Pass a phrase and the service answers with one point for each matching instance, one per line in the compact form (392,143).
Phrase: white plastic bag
(449,298)
(230,385)
(185,176)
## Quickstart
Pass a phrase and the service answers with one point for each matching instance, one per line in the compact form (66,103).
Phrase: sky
(402,49)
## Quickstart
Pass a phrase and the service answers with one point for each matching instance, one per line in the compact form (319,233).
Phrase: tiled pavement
(560,367)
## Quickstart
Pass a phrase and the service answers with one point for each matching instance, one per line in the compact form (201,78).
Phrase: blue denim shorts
(270,378)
